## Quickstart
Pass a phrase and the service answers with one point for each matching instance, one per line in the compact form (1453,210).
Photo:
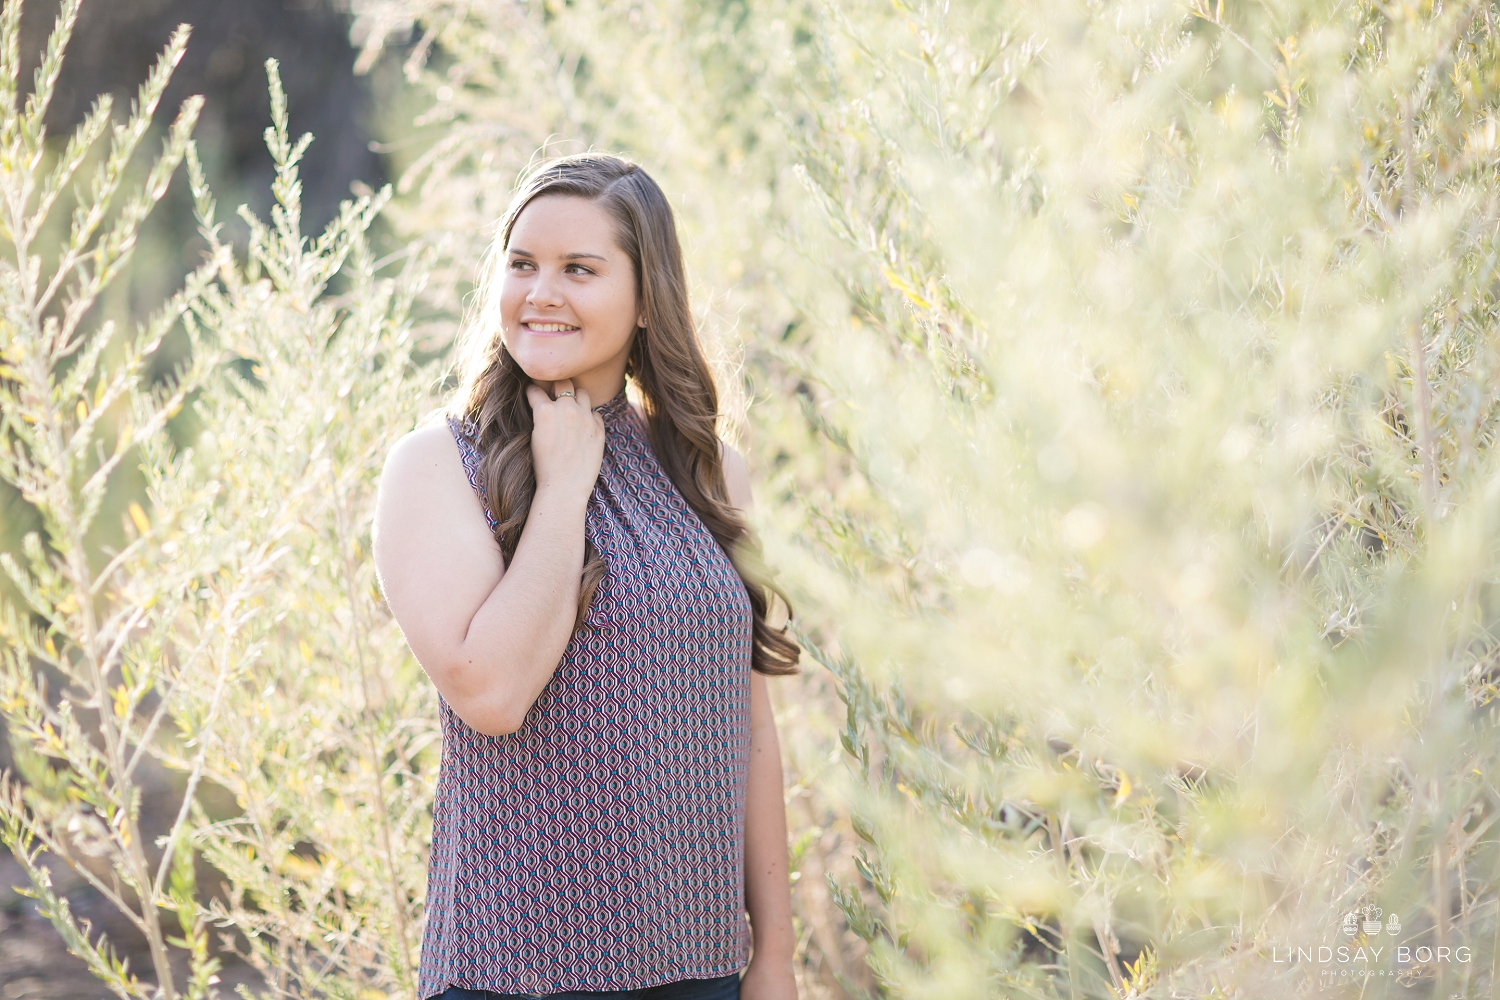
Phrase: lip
(526,325)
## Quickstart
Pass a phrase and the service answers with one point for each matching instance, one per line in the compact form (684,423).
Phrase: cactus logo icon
(1367,919)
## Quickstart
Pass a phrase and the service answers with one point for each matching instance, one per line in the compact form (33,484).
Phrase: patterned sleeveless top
(601,845)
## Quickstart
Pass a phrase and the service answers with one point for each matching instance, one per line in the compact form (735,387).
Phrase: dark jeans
(722,988)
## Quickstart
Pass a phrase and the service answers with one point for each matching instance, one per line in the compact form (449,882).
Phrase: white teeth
(550,327)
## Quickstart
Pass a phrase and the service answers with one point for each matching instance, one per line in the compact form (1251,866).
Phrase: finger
(583,399)
(537,397)
(561,386)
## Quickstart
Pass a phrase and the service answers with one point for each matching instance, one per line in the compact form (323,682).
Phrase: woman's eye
(578,269)
(519,265)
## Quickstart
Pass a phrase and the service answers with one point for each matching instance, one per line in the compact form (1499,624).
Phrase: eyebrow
(566,256)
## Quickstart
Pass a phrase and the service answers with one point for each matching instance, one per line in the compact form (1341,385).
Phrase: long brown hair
(666,363)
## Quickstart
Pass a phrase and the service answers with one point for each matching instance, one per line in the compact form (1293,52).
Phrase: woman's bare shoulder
(424,472)
(430,439)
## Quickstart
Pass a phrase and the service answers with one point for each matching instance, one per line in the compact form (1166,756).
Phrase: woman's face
(567,298)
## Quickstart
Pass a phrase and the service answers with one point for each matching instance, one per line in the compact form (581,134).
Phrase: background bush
(1119,382)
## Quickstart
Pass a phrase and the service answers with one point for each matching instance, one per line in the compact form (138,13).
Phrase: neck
(601,387)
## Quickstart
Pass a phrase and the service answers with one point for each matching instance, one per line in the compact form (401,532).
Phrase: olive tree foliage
(84,673)
(1160,571)
(231,628)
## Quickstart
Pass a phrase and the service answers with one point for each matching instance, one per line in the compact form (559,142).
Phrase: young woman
(576,577)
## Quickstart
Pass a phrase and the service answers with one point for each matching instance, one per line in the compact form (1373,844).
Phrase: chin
(549,374)
(547,369)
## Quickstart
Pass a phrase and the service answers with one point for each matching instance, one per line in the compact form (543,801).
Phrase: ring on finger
(565,392)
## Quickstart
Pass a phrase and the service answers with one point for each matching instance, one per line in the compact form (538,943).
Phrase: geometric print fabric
(601,845)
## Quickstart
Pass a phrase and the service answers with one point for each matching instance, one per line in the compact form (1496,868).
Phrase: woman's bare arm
(768,895)
(489,635)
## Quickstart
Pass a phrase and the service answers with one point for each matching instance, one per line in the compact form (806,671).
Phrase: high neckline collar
(615,409)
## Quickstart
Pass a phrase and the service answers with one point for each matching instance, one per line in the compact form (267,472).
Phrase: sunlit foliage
(237,636)
(1120,387)
(1160,574)
(83,668)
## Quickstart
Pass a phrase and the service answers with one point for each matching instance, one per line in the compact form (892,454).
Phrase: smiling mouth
(549,328)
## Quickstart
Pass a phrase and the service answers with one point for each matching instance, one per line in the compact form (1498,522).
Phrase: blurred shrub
(1159,571)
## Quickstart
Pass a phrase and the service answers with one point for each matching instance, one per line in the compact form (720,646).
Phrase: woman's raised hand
(567,440)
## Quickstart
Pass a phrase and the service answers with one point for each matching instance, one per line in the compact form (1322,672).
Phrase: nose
(544,290)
